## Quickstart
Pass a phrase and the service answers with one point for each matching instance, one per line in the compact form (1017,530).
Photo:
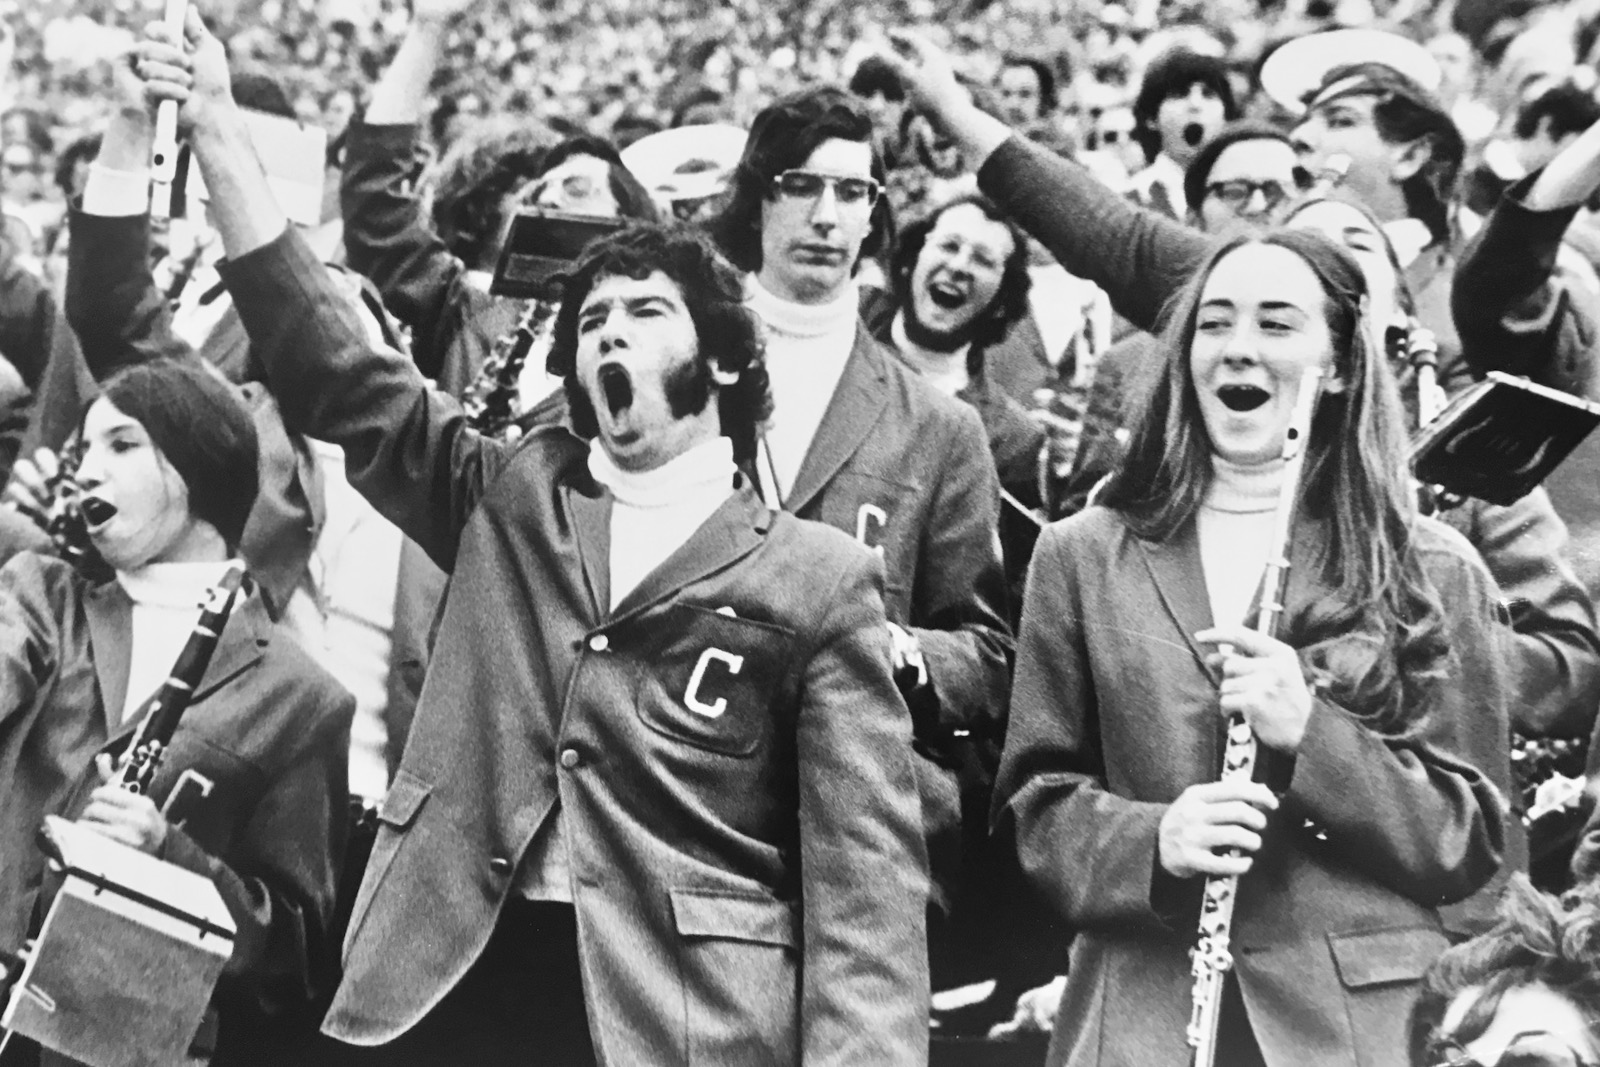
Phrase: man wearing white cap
(1369,97)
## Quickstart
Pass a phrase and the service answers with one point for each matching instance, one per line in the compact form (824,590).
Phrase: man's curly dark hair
(1010,303)
(729,335)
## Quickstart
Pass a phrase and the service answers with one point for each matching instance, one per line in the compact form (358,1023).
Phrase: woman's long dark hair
(1374,639)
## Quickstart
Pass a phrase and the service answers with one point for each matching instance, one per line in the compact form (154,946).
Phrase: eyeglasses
(1536,1048)
(1237,192)
(573,187)
(808,185)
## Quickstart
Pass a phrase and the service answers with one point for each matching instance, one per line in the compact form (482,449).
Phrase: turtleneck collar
(946,370)
(1244,488)
(803,320)
(171,585)
(704,469)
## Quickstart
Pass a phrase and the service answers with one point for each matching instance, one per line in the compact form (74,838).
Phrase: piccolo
(160,722)
(164,150)
(1211,959)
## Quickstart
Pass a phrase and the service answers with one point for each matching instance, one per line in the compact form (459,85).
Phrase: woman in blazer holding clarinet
(251,792)
(1372,709)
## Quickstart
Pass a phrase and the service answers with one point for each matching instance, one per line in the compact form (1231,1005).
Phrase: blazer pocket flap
(403,801)
(733,916)
(1380,957)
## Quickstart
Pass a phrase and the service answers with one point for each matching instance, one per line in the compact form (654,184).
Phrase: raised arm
(1517,308)
(386,232)
(112,302)
(1140,258)
(407,447)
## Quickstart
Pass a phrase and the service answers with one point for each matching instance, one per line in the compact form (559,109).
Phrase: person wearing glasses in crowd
(860,441)
(434,273)
(1524,994)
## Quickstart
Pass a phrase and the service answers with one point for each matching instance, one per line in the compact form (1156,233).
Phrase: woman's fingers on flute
(1210,820)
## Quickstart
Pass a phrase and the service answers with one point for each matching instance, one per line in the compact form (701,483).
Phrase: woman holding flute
(1372,706)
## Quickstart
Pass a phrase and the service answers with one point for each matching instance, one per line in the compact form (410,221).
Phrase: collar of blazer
(851,417)
(1180,582)
(243,642)
(733,531)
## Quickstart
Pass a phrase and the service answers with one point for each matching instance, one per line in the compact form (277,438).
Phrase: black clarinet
(172,699)
(64,521)
(491,401)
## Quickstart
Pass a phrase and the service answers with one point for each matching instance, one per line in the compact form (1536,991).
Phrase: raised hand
(29,490)
(1208,822)
(1262,680)
(192,71)
(927,75)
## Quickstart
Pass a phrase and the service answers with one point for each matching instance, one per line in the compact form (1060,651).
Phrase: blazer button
(599,643)
(570,758)
(500,865)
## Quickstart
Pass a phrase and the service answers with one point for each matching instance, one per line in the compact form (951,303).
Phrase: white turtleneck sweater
(652,514)
(166,604)
(807,348)
(945,371)
(1235,530)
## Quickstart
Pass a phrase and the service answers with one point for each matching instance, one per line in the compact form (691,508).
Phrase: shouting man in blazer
(658,804)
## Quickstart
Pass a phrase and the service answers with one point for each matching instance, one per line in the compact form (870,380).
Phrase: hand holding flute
(164,149)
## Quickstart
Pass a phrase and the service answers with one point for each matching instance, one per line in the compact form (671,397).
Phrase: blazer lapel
(591,519)
(851,416)
(732,532)
(110,614)
(1180,582)
(243,641)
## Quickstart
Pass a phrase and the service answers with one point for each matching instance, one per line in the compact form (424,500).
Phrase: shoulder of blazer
(917,396)
(1435,537)
(809,546)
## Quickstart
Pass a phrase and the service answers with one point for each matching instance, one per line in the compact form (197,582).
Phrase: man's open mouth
(617,387)
(946,295)
(1243,397)
(96,512)
(1193,134)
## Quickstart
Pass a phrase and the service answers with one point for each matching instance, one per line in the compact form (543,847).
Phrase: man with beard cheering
(657,805)
(959,279)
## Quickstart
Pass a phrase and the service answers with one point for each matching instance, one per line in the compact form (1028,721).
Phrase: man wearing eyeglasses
(859,441)
(1242,181)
